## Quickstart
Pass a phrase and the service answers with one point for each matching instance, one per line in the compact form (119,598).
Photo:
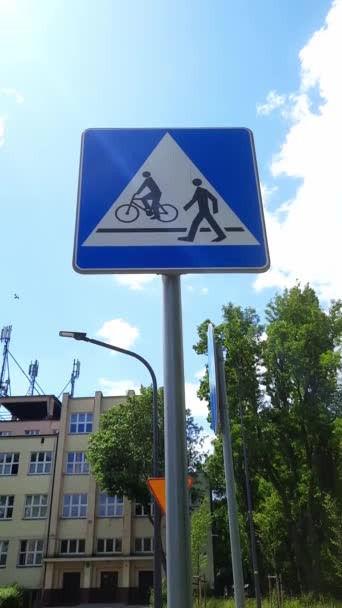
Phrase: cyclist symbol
(151,204)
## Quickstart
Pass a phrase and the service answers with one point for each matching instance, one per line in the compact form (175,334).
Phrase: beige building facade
(60,536)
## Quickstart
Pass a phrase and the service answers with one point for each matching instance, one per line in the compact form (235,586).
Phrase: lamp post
(82,336)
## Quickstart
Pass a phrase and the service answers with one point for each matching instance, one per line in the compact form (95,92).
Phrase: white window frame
(33,553)
(75,506)
(5,433)
(3,552)
(110,506)
(7,467)
(6,506)
(78,465)
(146,544)
(144,513)
(36,506)
(79,421)
(36,464)
(117,546)
(32,432)
(69,542)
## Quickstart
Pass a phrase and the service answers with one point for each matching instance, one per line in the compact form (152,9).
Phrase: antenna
(5,385)
(74,375)
(33,373)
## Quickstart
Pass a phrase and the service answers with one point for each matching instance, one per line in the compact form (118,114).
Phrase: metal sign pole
(179,584)
(239,593)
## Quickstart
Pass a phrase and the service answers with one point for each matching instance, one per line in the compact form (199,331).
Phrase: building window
(5,433)
(73,545)
(9,463)
(110,506)
(3,553)
(40,463)
(75,505)
(109,545)
(143,510)
(76,463)
(144,545)
(31,552)
(6,507)
(81,423)
(32,432)
(35,506)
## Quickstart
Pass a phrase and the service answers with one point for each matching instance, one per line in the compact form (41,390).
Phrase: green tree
(285,375)
(120,452)
(200,528)
(302,363)
(240,334)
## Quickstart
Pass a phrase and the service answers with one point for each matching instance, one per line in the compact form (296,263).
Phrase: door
(145,584)
(71,587)
(109,585)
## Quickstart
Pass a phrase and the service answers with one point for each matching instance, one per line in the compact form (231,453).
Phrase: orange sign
(157,486)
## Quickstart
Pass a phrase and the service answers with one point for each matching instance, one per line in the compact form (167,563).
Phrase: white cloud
(201,373)
(267,193)
(305,240)
(198,290)
(118,387)
(19,98)
(193,403)
(136,282)
(273,101)
(119,333)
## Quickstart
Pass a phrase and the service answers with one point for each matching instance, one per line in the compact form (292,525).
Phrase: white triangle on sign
(126,223)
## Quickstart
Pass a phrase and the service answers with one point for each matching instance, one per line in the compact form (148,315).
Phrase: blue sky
(68,66)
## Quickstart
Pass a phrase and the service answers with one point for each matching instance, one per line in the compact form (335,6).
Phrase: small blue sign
(163,200)
(213,378)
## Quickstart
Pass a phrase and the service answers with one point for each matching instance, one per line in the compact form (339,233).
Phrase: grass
(289,603)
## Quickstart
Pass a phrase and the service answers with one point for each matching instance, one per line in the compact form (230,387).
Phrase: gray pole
(157,550)
(250,514)
(239,593)
(179,582)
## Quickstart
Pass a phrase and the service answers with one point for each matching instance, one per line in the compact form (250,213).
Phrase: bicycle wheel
(127,213)
(168,213)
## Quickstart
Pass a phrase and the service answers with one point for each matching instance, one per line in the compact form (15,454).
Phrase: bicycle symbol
(130,212)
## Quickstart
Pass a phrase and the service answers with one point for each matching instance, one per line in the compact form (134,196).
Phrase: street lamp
(82,336)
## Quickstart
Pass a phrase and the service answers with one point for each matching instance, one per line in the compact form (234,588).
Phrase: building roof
(36,407)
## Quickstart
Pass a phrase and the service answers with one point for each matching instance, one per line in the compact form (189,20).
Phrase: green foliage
(200,528)
(120,452)
(303,602)
(285,376)
(10,596)
(164,595)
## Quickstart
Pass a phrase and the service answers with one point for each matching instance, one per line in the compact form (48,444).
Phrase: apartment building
(60,536)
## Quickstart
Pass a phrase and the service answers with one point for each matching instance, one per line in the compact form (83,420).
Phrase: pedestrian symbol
(153,200)
(203,196)
(168,198)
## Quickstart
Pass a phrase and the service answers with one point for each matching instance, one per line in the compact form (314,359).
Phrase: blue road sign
(163,200)
(213,378)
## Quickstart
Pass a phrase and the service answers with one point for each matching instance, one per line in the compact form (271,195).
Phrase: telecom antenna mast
(74,375)
(5,383)
(33,373)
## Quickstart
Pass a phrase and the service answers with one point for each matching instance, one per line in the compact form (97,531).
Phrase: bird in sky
(16,297)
